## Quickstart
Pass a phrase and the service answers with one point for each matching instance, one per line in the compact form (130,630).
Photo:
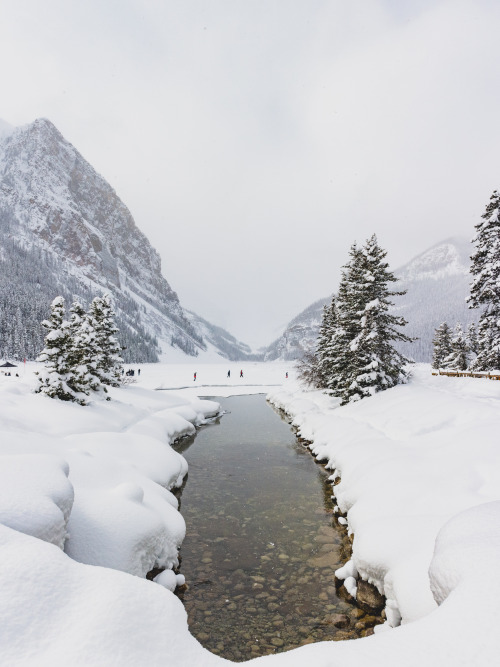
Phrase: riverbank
(419,473)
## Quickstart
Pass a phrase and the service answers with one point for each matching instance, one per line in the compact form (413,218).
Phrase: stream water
(261,548)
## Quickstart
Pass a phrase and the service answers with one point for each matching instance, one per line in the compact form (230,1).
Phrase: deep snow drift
(418,462)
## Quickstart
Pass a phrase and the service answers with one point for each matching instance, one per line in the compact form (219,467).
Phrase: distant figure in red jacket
(241,374)
(194,377)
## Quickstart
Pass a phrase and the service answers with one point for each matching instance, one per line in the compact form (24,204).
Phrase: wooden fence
(467,374)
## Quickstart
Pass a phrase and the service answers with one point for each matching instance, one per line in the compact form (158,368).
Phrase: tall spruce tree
(485,287)
(442,345)
(109,365)
(374,363)
(348,303)
(324,352)
(84,351)
(58,379)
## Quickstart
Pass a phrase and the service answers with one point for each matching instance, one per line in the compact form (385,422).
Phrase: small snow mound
(130,491)
(168,579)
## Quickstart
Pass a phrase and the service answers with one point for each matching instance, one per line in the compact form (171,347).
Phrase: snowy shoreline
(371,600)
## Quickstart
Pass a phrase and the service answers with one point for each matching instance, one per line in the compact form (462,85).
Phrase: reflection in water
(260,551)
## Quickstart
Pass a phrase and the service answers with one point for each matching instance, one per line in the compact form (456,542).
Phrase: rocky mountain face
(437,283)
(300,334)
(66,219)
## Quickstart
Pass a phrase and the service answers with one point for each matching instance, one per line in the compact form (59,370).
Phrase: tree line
(27,282)
(477,350)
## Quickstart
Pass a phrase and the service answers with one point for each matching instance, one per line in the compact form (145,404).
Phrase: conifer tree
(458,359)
(84,351)
(323,357)
(108,360)
(442,345)
(57,379)
(485,287)
(374,363)
(348,303)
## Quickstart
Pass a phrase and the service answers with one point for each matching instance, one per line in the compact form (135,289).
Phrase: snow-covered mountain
(437,283)
(60,219)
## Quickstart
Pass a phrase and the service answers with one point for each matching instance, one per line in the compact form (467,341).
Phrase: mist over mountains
(64,230)
(437,283)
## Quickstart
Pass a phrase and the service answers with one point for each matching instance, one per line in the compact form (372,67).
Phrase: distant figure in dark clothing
(229,374)
(194,377)
(241,374)
(139,372)
(286,374)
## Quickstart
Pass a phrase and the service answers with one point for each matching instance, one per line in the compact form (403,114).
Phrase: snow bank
(96,480)
(420,484)
(55,611)
(411,460)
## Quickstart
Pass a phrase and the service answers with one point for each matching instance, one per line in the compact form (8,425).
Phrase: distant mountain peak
(53,202)
(448,257)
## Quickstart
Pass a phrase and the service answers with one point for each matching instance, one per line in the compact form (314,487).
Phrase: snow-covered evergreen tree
(84,351)
(374,363)
(355,355)
(442,345)
(323,356)
(459,357)
(108,360)
(58,379)
(348,303)
(485,287)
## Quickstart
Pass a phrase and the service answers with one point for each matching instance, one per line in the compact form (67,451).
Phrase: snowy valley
(90,523)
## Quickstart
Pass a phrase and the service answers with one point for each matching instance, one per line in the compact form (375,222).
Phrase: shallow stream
(261,548)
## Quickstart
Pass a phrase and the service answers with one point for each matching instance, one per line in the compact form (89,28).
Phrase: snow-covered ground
(85,505)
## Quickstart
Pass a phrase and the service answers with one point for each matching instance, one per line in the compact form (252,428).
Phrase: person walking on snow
(241,374)
(229,374)
(194,377)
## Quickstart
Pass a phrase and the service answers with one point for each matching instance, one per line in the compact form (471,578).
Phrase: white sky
(255,141)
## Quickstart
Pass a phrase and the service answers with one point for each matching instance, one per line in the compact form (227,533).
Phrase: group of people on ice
(228,375)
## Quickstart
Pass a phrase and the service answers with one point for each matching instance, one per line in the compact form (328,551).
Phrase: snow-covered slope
(437,284)
(300,334)
(53,203)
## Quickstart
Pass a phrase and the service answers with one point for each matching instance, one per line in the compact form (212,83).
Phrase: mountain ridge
(52,200)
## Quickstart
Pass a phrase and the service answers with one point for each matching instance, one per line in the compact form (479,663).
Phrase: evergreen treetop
(485,286)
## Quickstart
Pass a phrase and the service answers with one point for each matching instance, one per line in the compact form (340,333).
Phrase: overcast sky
(254,141)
